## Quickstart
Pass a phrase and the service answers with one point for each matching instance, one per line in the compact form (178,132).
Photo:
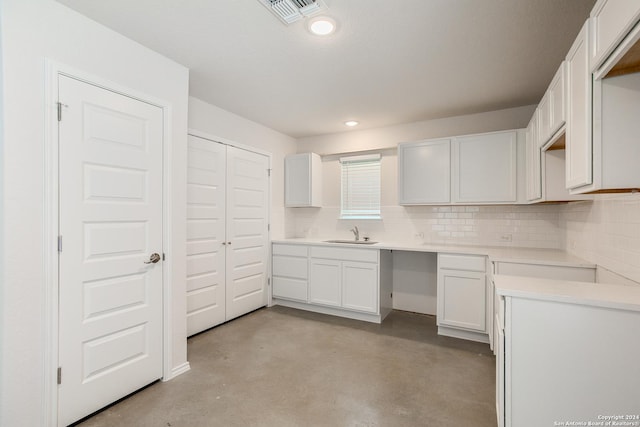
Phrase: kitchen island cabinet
(572,345)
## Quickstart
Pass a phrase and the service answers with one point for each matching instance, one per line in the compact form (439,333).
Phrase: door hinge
(59,375)
(268,172)
(268,281)
(163,256)
(268,227)
(59,243)
(59,111)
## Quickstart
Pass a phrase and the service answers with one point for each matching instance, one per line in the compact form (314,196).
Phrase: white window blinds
(360,187)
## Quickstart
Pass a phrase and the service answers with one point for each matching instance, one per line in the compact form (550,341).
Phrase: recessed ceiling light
(351,123)
(322,26)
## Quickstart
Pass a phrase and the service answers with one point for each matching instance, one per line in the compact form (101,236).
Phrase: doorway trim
(50,224)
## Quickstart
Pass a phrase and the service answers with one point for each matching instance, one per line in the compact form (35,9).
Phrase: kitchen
(602,232)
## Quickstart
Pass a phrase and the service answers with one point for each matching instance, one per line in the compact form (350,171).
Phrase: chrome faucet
(356,232)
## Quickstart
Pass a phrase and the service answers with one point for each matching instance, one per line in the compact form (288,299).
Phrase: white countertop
(584,293)
(495,253)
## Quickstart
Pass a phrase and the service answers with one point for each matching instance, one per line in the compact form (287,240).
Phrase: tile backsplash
(535,226)
(606,232)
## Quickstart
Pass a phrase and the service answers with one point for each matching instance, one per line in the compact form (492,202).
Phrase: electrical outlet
(506,237)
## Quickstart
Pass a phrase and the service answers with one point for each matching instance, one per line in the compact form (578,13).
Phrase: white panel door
(206,237)
(247,231)
(110,299)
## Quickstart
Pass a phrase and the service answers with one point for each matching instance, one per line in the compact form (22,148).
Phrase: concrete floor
(283,367)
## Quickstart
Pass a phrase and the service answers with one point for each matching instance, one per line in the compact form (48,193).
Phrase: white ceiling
(390,61)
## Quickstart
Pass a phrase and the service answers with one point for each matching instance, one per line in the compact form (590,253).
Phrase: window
(360,187)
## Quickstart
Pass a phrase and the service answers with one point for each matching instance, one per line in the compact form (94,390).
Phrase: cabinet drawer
(292,250)
(287,266)
(285,287)
(462,262)
(344,254)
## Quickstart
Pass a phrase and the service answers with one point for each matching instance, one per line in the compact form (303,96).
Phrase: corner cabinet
(341,281)
(462,296)
(302,180)
(424,172)
(573,346)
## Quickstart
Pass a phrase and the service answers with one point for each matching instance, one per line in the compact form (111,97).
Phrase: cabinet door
(461,299)
(325,282)
(303,180)
(578,138)
(557,102)
(612,20)
(533,161)
(360,286)
(485,168)
(424,172)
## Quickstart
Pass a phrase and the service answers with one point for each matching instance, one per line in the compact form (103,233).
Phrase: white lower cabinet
(462,296)
(290,265)
(346,278)
(340,281)
(567,361)
(325,282)
(360,286)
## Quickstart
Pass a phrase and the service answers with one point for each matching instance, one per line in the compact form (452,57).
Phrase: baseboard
(373,318)
(465,335)
(178,370)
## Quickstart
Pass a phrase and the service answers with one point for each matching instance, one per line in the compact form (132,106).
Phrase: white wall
(389,137)
(30,32)
(606,232)
(527,226)
(215,121)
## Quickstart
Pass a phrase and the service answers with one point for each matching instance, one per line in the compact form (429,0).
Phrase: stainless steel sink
(353,242)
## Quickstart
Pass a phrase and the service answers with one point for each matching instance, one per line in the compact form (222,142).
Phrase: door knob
(153,259)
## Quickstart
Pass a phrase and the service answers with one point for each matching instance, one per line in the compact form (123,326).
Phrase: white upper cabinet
(578,135)
(602,123)
(611,21)
(303,180)
(552,107)
(533,160)
(424,171)
(485,168)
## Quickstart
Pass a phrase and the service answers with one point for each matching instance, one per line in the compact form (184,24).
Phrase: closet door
(206,238)
(247,231)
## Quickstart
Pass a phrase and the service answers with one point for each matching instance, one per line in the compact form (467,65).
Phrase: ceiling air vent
(291,10)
